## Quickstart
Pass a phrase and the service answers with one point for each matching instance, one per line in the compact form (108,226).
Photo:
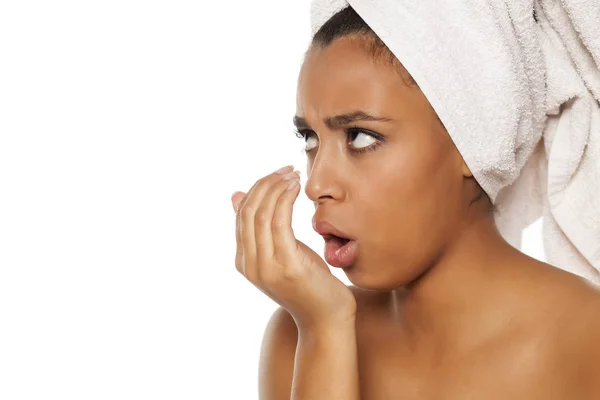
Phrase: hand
(282,267)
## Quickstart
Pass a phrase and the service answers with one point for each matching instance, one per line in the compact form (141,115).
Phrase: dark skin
(446,308)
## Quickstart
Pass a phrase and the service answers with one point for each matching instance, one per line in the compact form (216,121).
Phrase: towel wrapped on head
(516,83)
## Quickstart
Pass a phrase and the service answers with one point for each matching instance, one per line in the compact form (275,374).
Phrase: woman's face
(403,197)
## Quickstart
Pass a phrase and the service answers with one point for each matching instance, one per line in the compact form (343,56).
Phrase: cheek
(446,186)
(396,217)
(400,207)
(389,207)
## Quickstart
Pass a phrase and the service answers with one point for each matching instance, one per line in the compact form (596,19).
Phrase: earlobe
(466,170)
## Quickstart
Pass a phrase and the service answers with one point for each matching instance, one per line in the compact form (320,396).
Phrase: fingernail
(292,175)
(284,169)
(293,185)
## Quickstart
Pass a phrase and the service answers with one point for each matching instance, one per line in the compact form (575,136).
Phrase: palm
(310,258)
(331,284)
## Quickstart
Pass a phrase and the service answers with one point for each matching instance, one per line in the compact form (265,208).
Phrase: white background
(125,126)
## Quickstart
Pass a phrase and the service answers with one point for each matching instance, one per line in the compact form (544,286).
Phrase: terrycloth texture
(519,98)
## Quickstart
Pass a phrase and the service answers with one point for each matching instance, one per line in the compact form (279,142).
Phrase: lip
(327,229)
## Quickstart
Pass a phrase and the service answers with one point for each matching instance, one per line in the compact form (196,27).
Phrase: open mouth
(340,252)
(340,240)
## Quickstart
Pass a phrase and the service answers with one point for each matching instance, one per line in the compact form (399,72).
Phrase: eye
(309,139)
(364,140)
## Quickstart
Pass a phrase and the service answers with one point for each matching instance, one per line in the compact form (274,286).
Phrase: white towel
(520,98)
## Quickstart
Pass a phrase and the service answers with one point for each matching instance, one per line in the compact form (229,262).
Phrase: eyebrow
(338,121)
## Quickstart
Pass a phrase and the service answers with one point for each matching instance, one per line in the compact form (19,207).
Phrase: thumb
(236,198)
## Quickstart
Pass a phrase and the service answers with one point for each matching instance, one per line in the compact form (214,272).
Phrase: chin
(377,279)
(368,280)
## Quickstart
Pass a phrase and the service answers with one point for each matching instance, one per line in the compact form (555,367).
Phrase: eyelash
(303,134)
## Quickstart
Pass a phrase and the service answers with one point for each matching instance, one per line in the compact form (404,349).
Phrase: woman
(441,306)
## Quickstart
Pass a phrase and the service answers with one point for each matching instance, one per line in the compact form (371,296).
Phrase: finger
(284,243)
(236,199)
(238,202)
(243,256)
(245,221)
(264,217)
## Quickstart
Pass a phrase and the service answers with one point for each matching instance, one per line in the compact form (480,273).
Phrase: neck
(456,302)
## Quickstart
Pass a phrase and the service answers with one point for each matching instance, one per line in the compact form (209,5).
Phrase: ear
(466,171)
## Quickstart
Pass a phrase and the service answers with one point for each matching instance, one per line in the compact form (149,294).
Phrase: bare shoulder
(573,300)
(581,339)
(576,331)
(277,354)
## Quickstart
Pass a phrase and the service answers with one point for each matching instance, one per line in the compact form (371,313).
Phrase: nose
(324,179)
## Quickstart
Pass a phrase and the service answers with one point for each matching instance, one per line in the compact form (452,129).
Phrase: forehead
(345,76)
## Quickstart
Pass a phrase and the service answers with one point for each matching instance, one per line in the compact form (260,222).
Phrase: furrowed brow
(341,120)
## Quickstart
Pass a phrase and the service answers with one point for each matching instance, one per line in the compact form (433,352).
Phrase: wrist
(328,328)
